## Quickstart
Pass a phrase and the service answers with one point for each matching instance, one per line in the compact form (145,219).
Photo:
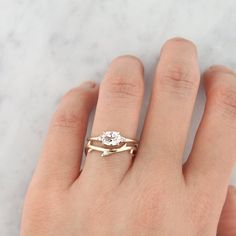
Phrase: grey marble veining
(50,46)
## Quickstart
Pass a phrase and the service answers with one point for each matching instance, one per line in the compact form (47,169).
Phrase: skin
(153,194)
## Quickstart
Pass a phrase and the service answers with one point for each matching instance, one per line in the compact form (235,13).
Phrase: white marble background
(49,46)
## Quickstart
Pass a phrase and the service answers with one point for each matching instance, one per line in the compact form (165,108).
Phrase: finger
(213,154)
(118,109)
(59,164)
(173,96)
(227,223)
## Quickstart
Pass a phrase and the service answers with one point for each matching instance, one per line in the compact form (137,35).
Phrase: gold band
(108,151)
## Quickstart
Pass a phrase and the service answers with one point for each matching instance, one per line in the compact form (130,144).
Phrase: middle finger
(173,97)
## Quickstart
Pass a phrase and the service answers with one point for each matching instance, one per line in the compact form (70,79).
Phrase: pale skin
(154,193)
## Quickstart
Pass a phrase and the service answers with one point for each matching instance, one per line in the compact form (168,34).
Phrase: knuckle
(150,208)
(69,113)
(122,87)
(225,99)
(102,204)
(179,79)
(43,207)
(201,210)
(70,118)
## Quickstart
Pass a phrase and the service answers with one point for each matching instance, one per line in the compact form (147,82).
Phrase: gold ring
(112,142)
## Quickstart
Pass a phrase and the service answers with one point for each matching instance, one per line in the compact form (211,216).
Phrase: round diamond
(111,138)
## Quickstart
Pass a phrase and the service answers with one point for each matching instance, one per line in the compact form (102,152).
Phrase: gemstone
(111,138)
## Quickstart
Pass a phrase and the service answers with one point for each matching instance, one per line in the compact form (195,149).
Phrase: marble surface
(50,46)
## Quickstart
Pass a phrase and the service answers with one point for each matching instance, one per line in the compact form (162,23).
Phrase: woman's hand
(152,194)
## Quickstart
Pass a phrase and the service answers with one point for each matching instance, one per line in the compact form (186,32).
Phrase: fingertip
(219,68)
(217,74)
(127,61)
(125,66)
(173,45)
(89,85)
(86,91)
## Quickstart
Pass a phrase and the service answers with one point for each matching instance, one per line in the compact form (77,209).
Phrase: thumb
(227,223)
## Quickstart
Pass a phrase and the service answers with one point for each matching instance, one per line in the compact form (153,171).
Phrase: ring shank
(126,140)
(108,151)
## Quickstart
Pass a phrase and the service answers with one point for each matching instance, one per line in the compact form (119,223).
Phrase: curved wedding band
(112,142)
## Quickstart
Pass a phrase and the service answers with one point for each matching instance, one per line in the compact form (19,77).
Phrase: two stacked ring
(112,142)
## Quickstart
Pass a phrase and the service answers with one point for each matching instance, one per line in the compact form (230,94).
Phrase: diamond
(111,138)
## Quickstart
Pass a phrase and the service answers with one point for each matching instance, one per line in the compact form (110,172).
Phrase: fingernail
(88,84)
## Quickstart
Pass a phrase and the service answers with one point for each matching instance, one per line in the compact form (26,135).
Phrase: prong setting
(111,138)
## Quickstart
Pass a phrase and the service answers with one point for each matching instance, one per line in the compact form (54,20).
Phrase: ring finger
(118,108)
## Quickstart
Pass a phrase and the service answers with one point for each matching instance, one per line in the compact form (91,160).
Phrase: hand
(152,194)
